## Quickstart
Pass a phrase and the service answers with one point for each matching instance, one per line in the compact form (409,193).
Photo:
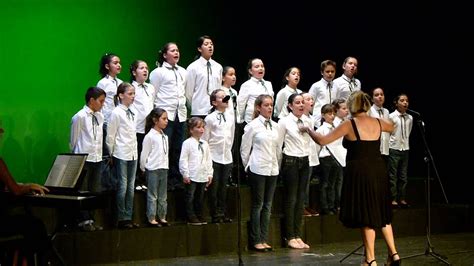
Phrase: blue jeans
(157,193)
(397,171)
(125,188)
(262,189)
(218,189)
(295,173)
(175,131)
(194,198)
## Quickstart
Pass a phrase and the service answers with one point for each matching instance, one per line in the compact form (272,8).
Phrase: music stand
(429,164)
(354,252)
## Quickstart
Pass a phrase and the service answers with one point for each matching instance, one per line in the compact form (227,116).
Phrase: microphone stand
(239,204)
(429,164)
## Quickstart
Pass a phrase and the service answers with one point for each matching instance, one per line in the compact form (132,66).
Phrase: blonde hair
(358,102)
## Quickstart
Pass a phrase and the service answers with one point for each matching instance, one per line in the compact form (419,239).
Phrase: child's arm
(246,145)
(183,163)
(76,125)
(146,150)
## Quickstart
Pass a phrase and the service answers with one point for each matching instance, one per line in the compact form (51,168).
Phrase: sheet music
(65,171)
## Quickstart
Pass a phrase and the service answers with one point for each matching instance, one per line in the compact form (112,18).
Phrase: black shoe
(404,205)
(97,227)
(125,224)
(194,221)
(226,220)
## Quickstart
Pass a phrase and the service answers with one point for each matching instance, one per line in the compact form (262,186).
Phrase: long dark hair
(150,118)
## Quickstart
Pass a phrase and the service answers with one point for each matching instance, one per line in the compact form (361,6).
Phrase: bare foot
(302,244)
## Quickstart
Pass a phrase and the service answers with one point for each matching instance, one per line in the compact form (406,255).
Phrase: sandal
(391,261)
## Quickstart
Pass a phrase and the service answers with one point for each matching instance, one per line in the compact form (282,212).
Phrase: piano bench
(9,250)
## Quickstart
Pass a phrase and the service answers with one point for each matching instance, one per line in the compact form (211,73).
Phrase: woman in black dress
(365,197)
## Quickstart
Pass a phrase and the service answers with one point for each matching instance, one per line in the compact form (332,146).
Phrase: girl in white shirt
(154,162)
(314,149)
(169,81)
(219,133)
(295,169)
(203,77)
(195,164)
(142,106)
(291,79)
(378,111)
(261,154)
(251,89)
(122,143)
(109,68)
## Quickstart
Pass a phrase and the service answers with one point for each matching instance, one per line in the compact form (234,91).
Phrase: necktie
(352,84)
(263,84)
(300,124)
(380,113)
(268,124)
(201,150)
(114,80)
(209,72)
(220,117)
(95,124)
(329,87)
(403,126)
(164,142)
(173,68)
(130,114)
(144,88)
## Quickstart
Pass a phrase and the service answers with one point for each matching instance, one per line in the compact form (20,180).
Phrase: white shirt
(296,143)
(344,86)
(198,89)
(399,138)
(385,137)
(155,151)
(109,85)
(336,148)
(323,92)
(232,107)
(261,147)
(121,134)
(195,163)
(87,134)
(314,147)
(249,91)
(219,133)
(169,84)
(281,101)
(142,104)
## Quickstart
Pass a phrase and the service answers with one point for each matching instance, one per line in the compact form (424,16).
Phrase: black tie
(403,125)
(352,84)
(263,84)
(209,73)
(380,112)
(114,80)
(144,88)
(268,124)
(95,123)
(173,68)
(220,117)
(130,114)
(329,86)
(165,143)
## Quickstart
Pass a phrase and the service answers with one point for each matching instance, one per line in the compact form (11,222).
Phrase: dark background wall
(49,54)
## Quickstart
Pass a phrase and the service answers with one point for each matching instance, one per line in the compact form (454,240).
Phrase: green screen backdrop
(49,55)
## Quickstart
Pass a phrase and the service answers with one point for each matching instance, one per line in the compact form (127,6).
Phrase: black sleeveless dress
(365,197)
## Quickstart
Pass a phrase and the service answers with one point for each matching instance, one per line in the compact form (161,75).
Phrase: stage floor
(458,248)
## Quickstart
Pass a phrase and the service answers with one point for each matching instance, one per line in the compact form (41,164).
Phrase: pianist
(31,229)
